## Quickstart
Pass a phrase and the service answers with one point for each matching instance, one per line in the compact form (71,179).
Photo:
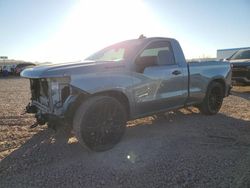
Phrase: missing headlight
(65,93)
(59,91)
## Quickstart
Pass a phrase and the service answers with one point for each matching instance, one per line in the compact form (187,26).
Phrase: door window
(157,53)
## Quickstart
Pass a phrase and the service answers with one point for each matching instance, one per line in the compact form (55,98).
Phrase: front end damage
(51,99)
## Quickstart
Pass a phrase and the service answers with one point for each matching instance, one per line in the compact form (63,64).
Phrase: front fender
(97,82)
(94,83)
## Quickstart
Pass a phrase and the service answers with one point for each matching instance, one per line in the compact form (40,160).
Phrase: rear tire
(213,100)
(100,123)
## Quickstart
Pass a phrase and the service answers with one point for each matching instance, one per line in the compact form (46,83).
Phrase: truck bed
(203,72)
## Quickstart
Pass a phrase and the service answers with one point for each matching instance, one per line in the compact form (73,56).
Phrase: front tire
(100,123)
(213,100)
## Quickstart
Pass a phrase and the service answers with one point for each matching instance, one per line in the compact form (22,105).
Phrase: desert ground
(180,149)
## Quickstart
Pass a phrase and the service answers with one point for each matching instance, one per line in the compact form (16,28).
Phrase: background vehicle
(128,80)
(227,53)
(20,67)
(241,66)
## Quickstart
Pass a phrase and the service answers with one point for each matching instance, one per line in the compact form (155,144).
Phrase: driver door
(161,85)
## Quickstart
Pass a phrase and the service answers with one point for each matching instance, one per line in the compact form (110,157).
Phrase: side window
(157,53)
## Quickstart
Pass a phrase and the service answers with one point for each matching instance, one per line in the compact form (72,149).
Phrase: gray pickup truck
(125,81)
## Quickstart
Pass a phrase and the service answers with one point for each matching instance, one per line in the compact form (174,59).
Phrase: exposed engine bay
(48,96)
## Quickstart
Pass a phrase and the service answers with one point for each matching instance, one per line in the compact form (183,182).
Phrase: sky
(70,30)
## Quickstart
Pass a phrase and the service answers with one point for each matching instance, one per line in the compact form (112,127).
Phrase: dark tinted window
(242,54)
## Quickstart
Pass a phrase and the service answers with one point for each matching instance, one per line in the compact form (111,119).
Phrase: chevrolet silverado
(124,81)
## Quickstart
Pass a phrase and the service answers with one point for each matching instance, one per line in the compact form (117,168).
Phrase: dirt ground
(181,149)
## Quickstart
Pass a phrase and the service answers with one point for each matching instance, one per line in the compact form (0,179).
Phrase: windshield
(115,52)
(242,54)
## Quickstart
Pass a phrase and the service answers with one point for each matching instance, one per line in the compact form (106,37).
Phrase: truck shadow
(138,129)
(143,138)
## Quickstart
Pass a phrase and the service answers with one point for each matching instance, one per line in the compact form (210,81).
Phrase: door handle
(176,72)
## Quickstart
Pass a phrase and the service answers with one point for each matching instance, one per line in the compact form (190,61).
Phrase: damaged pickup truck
(124,81)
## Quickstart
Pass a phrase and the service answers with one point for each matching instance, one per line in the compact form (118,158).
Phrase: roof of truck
(153,38)
(146,40)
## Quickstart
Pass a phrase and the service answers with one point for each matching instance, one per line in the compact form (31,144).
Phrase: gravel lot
(181,149)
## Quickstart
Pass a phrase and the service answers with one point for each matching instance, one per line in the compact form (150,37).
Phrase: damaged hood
(67,69)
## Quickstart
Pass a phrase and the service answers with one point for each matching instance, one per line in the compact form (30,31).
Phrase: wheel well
(222,82)
(121,97)
(74,106)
